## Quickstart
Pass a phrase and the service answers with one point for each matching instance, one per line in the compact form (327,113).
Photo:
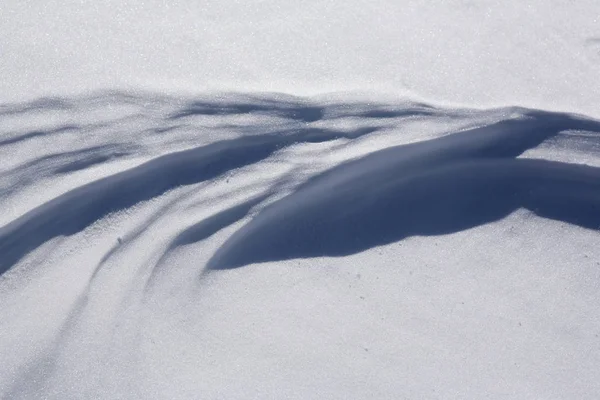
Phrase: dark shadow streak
(35,134)
(73,211)
(46,103)
(205,229)
(383,113)
(436,187)
(89,161)
(305,113)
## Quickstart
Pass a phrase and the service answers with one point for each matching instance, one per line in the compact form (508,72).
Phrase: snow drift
(142,234)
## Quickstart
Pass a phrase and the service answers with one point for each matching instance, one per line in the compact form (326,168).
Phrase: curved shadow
(36,134)
(205,229)
(295,111)
(73,211)
(430,188)
(344,210)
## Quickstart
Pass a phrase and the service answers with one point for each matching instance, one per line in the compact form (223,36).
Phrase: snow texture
(251,246)
(224,199)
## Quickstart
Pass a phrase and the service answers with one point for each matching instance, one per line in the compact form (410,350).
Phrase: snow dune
(266,245)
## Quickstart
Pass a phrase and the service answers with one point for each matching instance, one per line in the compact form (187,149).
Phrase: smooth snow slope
(538,53)
(270,246)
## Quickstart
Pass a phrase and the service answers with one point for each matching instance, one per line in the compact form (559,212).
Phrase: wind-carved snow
(272,246)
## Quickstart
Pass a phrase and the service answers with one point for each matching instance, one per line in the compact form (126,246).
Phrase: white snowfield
(270,246)
(483,53)
(417,217)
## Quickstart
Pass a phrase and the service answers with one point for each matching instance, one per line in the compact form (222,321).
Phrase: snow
(541,53)
(299,200)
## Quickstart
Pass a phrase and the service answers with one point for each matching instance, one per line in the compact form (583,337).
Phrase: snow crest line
(129,207)
(383,197)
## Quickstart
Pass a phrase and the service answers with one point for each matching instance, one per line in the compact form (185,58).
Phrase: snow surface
(269,246)
(536,53)
(417,217)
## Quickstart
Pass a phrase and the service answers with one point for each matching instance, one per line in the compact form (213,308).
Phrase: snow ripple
(105,193)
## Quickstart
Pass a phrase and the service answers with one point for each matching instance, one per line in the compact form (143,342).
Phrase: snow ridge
(130,206)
